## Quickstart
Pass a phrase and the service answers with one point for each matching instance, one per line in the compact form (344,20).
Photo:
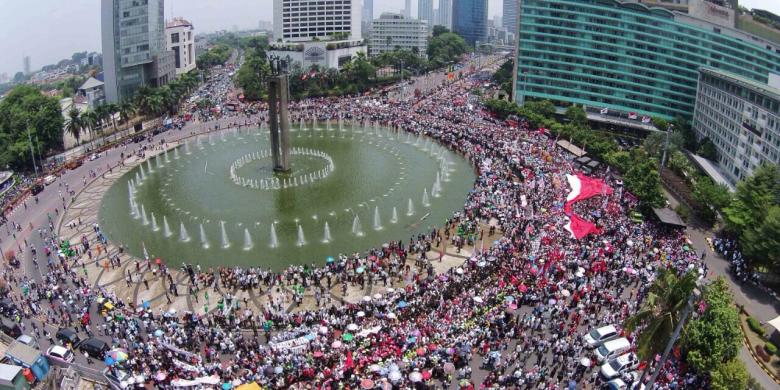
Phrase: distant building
(367,16)
(265,25)
(470,20)
(408,9)
(94,92)
(392,31)
(26,65)
(445,13)
(180,38)
(425,11)
(509,20)
(134,49)
(742,118)
(325,33)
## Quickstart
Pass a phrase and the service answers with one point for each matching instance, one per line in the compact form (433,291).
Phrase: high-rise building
(26,65)
(445,13)
(392,31)
(134,49)
(510,15)
(323,33)
(627,57)
(469,19)
(304,20)
(425,11)
(408,9)
(180,37)
(741,117)
(367,18)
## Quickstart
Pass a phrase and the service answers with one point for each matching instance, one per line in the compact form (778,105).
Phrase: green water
(372,172)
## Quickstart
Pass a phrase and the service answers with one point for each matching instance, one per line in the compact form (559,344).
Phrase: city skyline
(82,18)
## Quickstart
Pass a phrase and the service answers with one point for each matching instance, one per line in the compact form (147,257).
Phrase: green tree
(73,125)
(642,180)
(754,215)
(714,337)
(252,75)
(707,149)
(439,30)
(544,108)
(446,48)
(712,197)
(660,311)
(126,111)
(26,113)
(577,116)
(730,376)
(90,121)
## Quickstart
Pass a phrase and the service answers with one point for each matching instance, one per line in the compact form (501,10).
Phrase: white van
(612,348)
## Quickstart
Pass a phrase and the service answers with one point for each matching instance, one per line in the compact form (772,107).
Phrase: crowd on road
(515,309)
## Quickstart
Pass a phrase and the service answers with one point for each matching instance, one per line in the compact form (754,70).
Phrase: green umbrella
(347,337)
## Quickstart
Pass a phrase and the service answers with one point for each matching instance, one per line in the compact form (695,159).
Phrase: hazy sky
(50,30)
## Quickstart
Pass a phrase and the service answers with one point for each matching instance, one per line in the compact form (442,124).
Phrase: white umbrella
(459,271)
(352,327)
(415,377)
(361,314)
(478,299)
(585,362)
(391,315)
(565,293)
(366,299)
(377,296)
(394,376)
(323,330)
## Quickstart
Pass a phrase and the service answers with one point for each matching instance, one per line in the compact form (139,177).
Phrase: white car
(94,157)
(49,179)
(596,337)
(620,383)
(59,356)
(619,365)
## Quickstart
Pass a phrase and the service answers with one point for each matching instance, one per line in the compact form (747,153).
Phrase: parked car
(59,356)
(28,340)
(599,336)
(612,348)
(620,383)
(619,365)
(68,336)
(49,179)
(116,378)
(9,327)
(94,157)
(95,348)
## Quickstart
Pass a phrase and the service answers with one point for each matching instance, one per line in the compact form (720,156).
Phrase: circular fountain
(351,186)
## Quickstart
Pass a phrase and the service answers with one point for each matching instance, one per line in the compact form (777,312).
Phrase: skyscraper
(408,9)
(134,48)
(26,65)
(425,11)
(469,19)
(510,15)
(445,13)
(367,17)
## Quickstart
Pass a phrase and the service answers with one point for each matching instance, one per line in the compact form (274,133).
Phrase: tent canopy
(571,148)
(669,217)
(775,323)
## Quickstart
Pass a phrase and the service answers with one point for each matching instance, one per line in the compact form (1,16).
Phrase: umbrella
(481,264)
(118,355)
(367,384)
(278,370)
(158,261)
(330,259)
(402,304)
(394,376)
(390,290)
(227,386)
(361,314)
(426,375)
(629,270)
(552,301)
(478,299)
(323,330)
(158,333)
(336,344)
(360,270)
(109,361)
(160,376)
(375,368)
(352,327)
(415,377)
(366,299)
(391,315)
(459,271)
(565,293)
(377,296)
(449,367)
(585,362)
(509,298)
(420,351)
(347,337)
(317,354)
(310,336)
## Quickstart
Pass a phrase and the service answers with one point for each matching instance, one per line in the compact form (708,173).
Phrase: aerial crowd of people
(512,315)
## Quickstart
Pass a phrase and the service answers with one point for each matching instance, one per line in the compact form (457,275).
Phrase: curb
(755,357)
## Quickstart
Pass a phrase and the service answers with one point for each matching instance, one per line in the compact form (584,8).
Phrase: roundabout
(215,199)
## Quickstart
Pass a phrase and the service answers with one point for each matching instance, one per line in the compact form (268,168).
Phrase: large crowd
(516,308)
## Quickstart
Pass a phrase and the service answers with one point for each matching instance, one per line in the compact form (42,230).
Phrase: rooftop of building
(746,82)
(91,83)
(178,22)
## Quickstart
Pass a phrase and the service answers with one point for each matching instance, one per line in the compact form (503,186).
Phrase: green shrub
(755,326)
(770,348)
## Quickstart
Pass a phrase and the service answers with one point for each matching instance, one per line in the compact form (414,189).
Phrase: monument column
(273,119)
(284,121)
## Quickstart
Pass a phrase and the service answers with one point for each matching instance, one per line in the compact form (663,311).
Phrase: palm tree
(660,312)
(74,124)
(126,110)
(90,120)
(112,109)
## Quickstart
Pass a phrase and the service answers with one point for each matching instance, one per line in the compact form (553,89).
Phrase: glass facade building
(626,56)
(469,19)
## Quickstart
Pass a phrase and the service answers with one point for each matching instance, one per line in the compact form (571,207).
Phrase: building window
(175,38)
